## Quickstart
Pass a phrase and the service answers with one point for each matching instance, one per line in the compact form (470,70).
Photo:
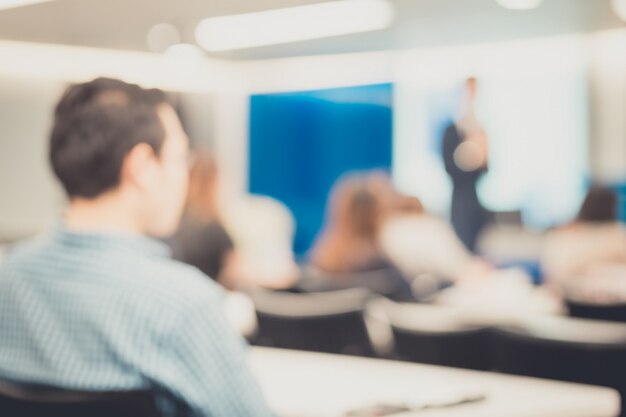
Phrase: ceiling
(123,24)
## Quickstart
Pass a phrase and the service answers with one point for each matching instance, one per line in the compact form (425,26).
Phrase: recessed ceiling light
(619,7)
(293,24)
(161,36)
(520,4)
(12,4)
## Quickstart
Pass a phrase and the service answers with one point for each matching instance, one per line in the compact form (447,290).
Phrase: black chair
(18,400)
(583,351)
(386,281)
(331,322)
(588,310)
(438,336)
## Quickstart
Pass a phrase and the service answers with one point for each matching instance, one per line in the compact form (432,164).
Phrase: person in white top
(420,243)
(594,240)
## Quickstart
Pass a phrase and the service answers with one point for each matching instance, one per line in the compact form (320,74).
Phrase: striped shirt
(106,311)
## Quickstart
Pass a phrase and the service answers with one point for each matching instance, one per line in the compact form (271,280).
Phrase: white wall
(29,197)
(608,106)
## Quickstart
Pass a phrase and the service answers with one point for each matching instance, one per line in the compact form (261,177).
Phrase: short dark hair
(96,124)
(600,205)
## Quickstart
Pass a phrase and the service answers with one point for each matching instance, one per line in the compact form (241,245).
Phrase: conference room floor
(307,384)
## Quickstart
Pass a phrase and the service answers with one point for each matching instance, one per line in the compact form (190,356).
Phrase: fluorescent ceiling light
(619,7)
(11,4)
(520,4)
(293,24)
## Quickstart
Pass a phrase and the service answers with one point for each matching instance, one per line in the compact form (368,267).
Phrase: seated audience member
(263,230)
(201,240)
(419,243)
(97,304)
(595,239)
(347,252)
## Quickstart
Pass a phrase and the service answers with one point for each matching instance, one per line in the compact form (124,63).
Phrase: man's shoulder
(24,252)
(174,289)
(175,278)
(126,273)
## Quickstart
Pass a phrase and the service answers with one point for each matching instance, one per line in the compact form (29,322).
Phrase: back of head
(355,208)
(120,150)
(362,219)
(354,215)
(600,206)
(95,125)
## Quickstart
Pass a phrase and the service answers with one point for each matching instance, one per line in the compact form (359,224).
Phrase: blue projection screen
(302,142)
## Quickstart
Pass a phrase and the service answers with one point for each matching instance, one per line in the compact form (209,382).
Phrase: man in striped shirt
(96,304)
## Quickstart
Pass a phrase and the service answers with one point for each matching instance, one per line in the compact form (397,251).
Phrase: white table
(304,384)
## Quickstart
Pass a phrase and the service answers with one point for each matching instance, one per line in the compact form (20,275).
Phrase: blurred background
(286,119)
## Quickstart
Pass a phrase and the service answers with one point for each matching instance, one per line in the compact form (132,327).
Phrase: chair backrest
(584,351)
(331,322)
(462,348)
(585,310)
(21,400)
(386,281)
(437,335)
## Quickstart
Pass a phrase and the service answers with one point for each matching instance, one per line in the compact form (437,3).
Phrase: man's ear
(139,167)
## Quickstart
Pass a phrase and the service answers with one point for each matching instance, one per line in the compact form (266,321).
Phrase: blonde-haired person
(262,229)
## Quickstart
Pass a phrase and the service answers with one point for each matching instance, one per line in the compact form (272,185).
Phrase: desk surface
(304,384)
